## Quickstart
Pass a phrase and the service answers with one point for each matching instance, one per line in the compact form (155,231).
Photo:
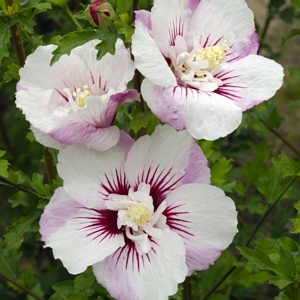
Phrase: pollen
(139,214)
(215,55)
(81,95)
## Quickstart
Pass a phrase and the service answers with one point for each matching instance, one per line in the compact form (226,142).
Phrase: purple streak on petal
(62,95)
(144,17)
(103,225)
(131,253)
(176,28)
(217,41)
(160,185)
(93,81)
(116,185)
(206,41)
(175,222)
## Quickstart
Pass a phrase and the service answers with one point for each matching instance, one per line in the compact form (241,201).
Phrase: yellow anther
(139,214)
(82,95)
(215,55)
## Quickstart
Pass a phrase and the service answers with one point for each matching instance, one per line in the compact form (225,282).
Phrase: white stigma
(196,68)
(137,217)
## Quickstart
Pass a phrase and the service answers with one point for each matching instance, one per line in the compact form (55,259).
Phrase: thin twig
(21,287)
(280,137)
(50,167)
(69,13)
(17,186)
(258,225)
(267,24)
(16,38)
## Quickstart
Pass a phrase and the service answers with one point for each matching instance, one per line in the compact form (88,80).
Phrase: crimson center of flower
(197,68)
(136,216)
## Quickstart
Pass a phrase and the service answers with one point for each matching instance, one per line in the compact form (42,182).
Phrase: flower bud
(100,13)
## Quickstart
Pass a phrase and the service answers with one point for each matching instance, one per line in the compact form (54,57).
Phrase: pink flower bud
(100,13)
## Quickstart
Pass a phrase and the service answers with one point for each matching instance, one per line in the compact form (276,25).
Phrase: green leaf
(125,26)
(25,23)
(295,73)
(20,198)
(296,222)
(107,45)
(74,296)
(178,295)
(44,190)
(254,170)
(84,280)
(296,3)
(285,269)
(65,287)
(141,119)
(271,183)
(14,233)
(4,39)
(3,165)
(220,170)
(10,261)
(123,6)
(292,33)
(60,3)
(33,7)
(12,73)
(77,38)
(287,15)
(28,277)
(281,296)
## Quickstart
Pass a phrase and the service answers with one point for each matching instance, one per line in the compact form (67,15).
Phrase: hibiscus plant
(148,151)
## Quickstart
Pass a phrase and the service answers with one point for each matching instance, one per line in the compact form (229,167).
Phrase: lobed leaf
(77,38)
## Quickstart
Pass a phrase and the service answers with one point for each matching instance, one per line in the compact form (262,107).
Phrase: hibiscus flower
(142,214)
(74,101)
(200,63)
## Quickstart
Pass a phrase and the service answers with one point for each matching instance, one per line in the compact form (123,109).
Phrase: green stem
(21,287)
(280,137)
(69,13)
(16,38)
(187,289)
(19,49)
(258,225)
(17,186)
(50,167)
(137,74)
(266,26)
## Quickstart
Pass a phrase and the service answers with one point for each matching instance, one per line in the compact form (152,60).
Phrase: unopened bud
(100,13)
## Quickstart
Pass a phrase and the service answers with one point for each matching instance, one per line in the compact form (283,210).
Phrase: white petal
(148,58)
(220,19)
(79,237)
(100,139)
(166,160)
(206,115)
(170,18)
(251,80)
(90,176)
(155,275)
(206,220)
(108,65)
(46,139)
